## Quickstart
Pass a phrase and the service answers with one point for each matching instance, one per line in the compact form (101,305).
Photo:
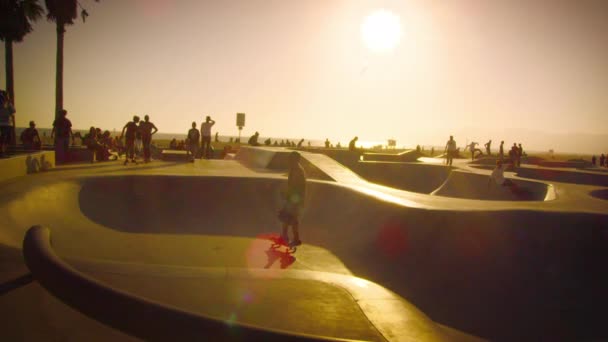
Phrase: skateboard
(278,242)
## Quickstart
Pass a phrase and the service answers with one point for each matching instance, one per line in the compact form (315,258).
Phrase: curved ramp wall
(469,185)
(415,177)
(444,181)
(475,271)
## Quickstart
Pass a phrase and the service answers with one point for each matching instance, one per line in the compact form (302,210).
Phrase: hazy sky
(535,71)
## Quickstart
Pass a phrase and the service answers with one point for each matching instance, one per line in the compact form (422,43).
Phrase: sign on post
(240,120)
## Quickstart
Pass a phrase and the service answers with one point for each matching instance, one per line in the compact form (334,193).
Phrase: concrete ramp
(469,185)
(489,273)
(405,156)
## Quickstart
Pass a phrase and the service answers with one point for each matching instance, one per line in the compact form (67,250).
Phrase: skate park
(182,245)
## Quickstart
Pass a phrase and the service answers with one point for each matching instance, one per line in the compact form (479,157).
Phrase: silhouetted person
(501,151)
(327,143)
(7,118)
(351,144)
(513,154)
(173,144)
(473,149)
(253,141)
(147,129)
(294,199)
(520,153)
(30,138)
(602,160)
(90,140)
(593,161)
(206,136)
(193,141)
(450,150)
(217,137)
(62,131)
(488,147)
(131,129)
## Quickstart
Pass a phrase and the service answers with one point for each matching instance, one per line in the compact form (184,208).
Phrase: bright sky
(534,72)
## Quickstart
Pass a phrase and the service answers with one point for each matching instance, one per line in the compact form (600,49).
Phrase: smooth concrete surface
(504,270)
(417,177)
(463,184)
(22,164)
(602,193)
(440,180)
(124,311)
(405,156)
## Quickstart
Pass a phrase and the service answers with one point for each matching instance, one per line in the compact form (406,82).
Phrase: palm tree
(62,12)
(16,18)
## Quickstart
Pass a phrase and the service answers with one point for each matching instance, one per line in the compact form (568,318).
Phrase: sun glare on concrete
(381,30)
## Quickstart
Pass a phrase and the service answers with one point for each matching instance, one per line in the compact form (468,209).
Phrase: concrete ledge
(175,155)
(126,312)
(21,165)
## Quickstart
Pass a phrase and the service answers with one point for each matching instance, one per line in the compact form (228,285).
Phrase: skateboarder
(294,199)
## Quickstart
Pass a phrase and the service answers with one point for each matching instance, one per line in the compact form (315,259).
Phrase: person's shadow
(273,253)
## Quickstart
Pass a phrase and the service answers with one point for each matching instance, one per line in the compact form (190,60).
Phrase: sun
(381,31)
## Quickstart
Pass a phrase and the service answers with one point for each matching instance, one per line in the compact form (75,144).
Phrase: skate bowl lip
(76,289)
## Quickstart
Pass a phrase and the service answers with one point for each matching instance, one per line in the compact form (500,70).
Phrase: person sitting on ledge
(351,145)
(253,141)
(498,177)
(30,138)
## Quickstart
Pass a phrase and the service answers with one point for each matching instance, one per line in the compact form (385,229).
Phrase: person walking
(131,129)
(450,150)
(206,136)
(488,146)
(193,141)
(147,130)
(294,200)
(501,151)
(62,132)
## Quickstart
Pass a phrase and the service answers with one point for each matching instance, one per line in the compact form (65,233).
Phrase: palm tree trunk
(59,70)
(10,86)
